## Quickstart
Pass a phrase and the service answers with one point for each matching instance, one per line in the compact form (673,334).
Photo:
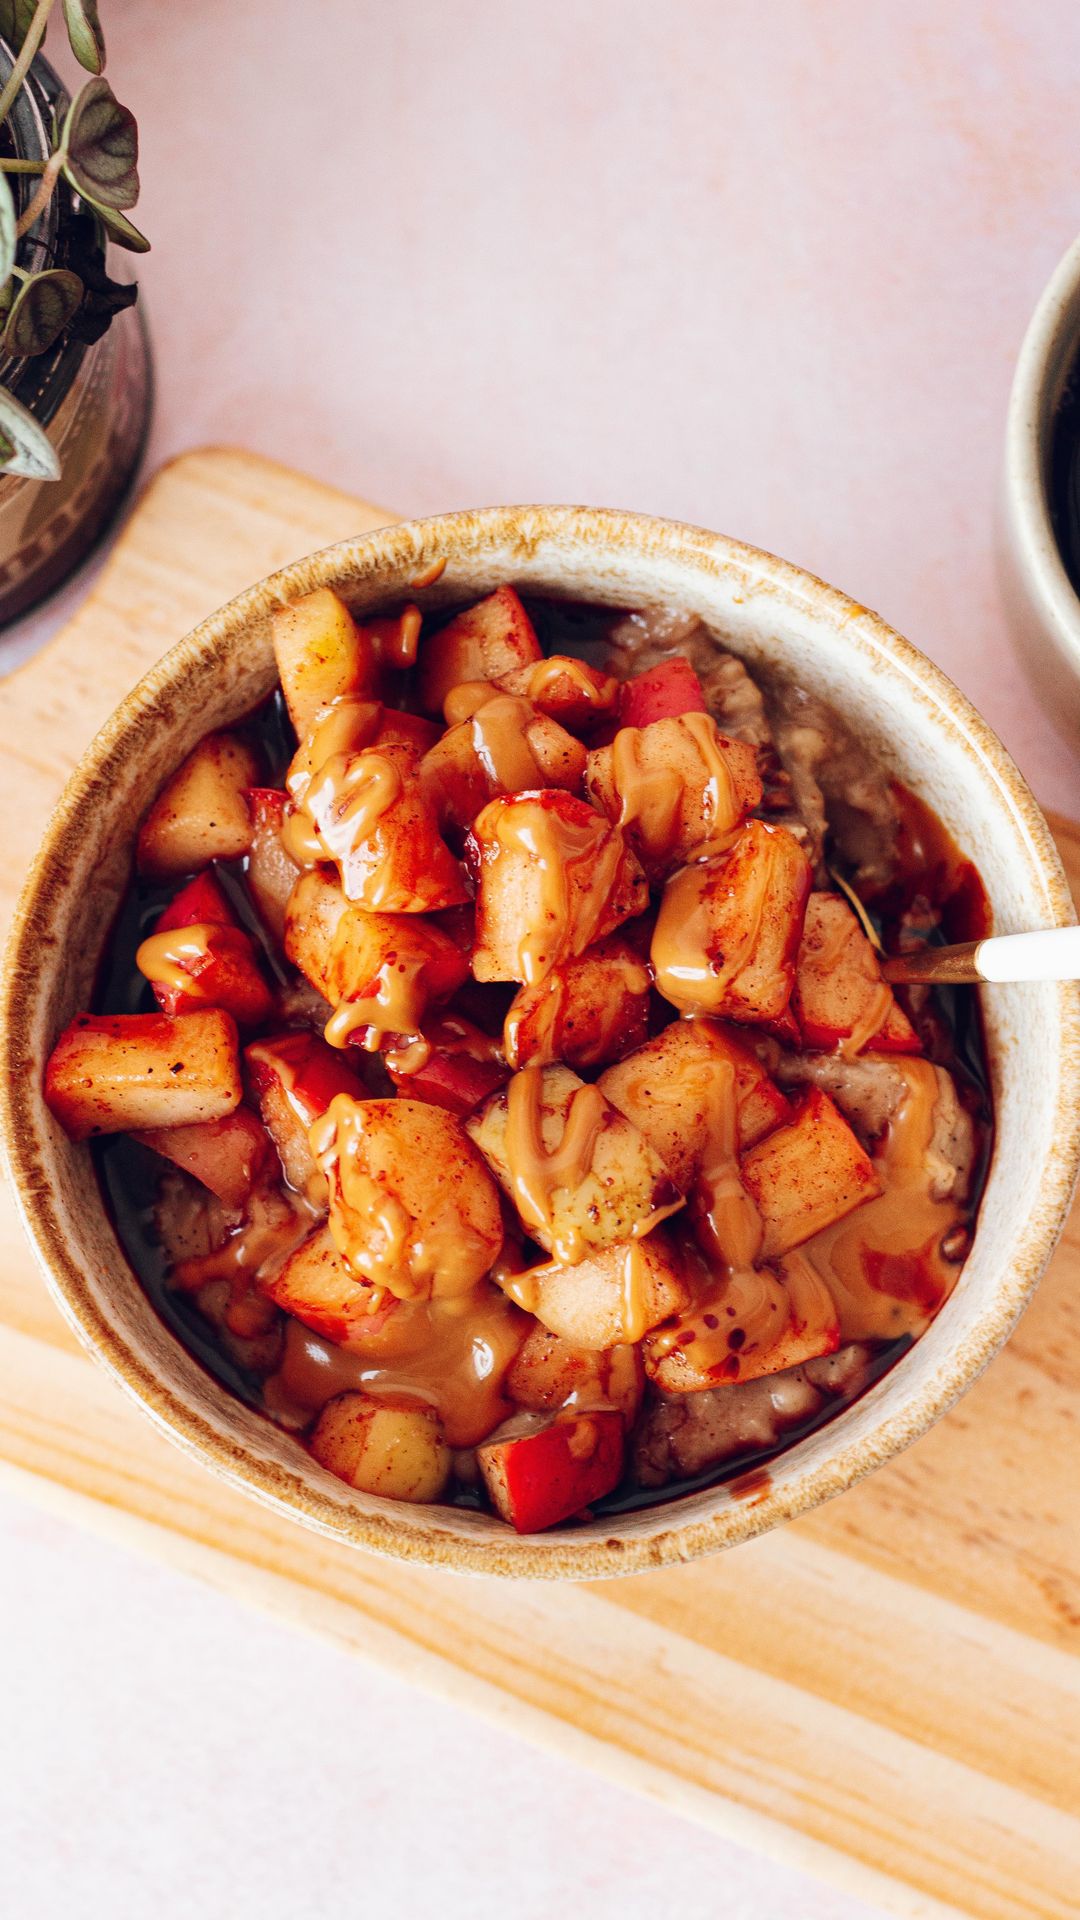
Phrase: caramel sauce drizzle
(165,959)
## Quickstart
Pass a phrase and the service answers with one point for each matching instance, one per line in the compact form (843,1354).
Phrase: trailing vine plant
(94,148)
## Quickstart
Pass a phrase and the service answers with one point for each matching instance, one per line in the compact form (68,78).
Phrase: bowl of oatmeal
(466,1108)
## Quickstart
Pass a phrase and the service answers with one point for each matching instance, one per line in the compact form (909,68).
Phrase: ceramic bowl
(1042,603)
(774,616)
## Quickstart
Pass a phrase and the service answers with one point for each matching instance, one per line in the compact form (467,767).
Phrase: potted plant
(74,364)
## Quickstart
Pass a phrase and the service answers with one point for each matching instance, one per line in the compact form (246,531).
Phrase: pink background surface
(764,266)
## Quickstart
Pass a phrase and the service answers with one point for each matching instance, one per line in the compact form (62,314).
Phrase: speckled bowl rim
(411,546)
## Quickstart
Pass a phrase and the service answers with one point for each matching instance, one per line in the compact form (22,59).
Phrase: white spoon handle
(1050,955)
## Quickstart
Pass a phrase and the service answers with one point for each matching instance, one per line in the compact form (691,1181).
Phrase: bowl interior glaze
(777,618)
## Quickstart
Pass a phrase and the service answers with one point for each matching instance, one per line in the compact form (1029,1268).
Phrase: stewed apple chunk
(676,787)
(487,640)
(294,1077)
(550,1373)
(747,1323)
(412,1205)
(667,1088)
(393,1448)
(807,1174)
(455,1065)
(552,876)
(579,1173)
(202,813)
(840,998)
(661,692)
(322,655)
(198,955)
(230,1157)
(569,691)
(538,1478)
(121,1072)
(315,1286)
(507,747)
(272,873)
(371,819)
(582,1012)
(381,971)
(728,931)
(611,1298)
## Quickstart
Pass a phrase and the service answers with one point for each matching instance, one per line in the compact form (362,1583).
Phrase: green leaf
(85,35)
(7,230)
(15,18)
(121,229)
(101,143)
(33,456)
(43,306)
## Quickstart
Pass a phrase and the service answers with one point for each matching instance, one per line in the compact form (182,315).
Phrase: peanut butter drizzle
(653,795)
(277,1221)
(879,998)
(161,958)
(342,728)
(409,1254)
(466,699)
(587,855)
(682,936)
(560,666)
(450,1354)
(537,1173)
(883,1263)
(546,1012)
(636,1292)
(500,738)
(396,1006)
(348,797)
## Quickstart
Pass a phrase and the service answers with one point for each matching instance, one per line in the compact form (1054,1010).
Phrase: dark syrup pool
(933,881)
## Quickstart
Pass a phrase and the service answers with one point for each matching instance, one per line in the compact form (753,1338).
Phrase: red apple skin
(452,1080)
(541,1478)
(310,1072)
(661,693)
(230,1157)
(229,976)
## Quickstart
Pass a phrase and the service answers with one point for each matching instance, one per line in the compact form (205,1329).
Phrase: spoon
(1052,955)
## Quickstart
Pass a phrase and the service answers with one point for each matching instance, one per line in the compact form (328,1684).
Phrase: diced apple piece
(584,1012)
(456,1066)
(661,693)
(382,971)
(569,691)
(752,1324)
(676,787)
(412,1205)
(406,730)
(487,640)
(839,993)
(611,1299)
(552,876)
(392,1448)
(321,655)
(202,813)
(231,1157)
(807,1174)
(548,1372)
(199,956)
(271,874)
(119,1072)
(579,1173)
(507,747)
(538,1479)
(728,930)
(666,1089)
(315,1286)
(294,1077)
(372,818)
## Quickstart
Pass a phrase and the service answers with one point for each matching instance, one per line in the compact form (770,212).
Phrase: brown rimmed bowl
(775,616)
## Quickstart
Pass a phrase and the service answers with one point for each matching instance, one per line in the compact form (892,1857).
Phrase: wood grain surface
(887,1690)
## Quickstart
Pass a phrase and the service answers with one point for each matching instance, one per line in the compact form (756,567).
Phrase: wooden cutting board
(887,1691)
